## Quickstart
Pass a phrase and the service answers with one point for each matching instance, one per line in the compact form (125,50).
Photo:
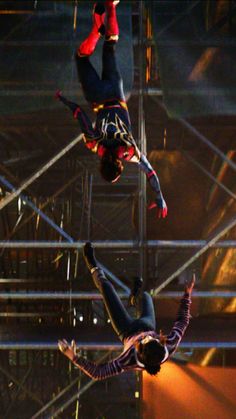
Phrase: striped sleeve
(180,325)
(96,371)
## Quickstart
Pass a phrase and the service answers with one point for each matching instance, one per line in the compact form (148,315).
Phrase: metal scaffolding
(5,201)
(55,290)
(228,226)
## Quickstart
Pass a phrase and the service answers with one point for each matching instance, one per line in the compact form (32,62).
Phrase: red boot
(112,28)
(89,44)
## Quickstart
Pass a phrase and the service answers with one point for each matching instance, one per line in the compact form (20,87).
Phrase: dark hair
(151,354)
(111,167)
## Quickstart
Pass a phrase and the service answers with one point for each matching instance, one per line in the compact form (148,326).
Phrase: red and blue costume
(112,131)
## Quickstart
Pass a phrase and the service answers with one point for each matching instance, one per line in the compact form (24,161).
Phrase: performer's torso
(114,127)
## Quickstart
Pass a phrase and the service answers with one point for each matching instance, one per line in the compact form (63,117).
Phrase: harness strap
(110,104)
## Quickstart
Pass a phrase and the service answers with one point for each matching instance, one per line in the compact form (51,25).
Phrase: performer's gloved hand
(189,285)
(69,350)
(72,105)
(58,94)
(161,206)
(89,256)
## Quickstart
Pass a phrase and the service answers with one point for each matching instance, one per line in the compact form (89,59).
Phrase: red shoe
(99,17)
(115,2)
(112,28)
(89,44)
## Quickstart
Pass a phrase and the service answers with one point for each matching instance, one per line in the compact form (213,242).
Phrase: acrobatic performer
(144,348)
(111,138)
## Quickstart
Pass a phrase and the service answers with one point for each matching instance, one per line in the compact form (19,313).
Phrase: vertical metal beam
(142,145)
(89,205)
(143,149)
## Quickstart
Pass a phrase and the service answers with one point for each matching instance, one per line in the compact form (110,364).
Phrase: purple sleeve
(180,325)
(98,372)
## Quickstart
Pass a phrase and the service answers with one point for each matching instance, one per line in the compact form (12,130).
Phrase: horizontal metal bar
(96,296)
(106,346)
(150,91)
(18,280)
(188,243)
(115,244)
(210,42)
(127,244)
(54,296)
(197,294)
(14,92)
(41,314)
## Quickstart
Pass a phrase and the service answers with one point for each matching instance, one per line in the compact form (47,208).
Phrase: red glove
(58,94)
(72,105)
(90,144)
(161,206)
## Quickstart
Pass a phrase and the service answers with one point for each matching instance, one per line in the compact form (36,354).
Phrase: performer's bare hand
(190,284)
(69,350)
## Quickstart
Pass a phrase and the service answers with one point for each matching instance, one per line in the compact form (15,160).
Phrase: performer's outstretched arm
(93,370)
(86,127)
(153,180)
(183,317)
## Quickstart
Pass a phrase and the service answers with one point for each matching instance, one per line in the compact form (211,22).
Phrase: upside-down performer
(111,138)
(144,348)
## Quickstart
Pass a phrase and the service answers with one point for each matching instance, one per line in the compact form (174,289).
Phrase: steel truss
(141,246)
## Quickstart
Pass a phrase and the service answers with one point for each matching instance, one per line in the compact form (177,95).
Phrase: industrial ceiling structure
(178,61)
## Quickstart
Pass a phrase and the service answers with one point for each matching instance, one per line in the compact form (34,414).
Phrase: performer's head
(151,352)
(111,167)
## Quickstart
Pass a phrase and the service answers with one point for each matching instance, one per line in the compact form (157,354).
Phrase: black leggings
(123,324)
(98,90)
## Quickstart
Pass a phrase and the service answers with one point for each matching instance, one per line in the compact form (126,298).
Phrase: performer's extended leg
(89,44)
(120,319)
(110,70)
(110,87)
(146,321)
(89,79)
(147,310)
(112,28)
